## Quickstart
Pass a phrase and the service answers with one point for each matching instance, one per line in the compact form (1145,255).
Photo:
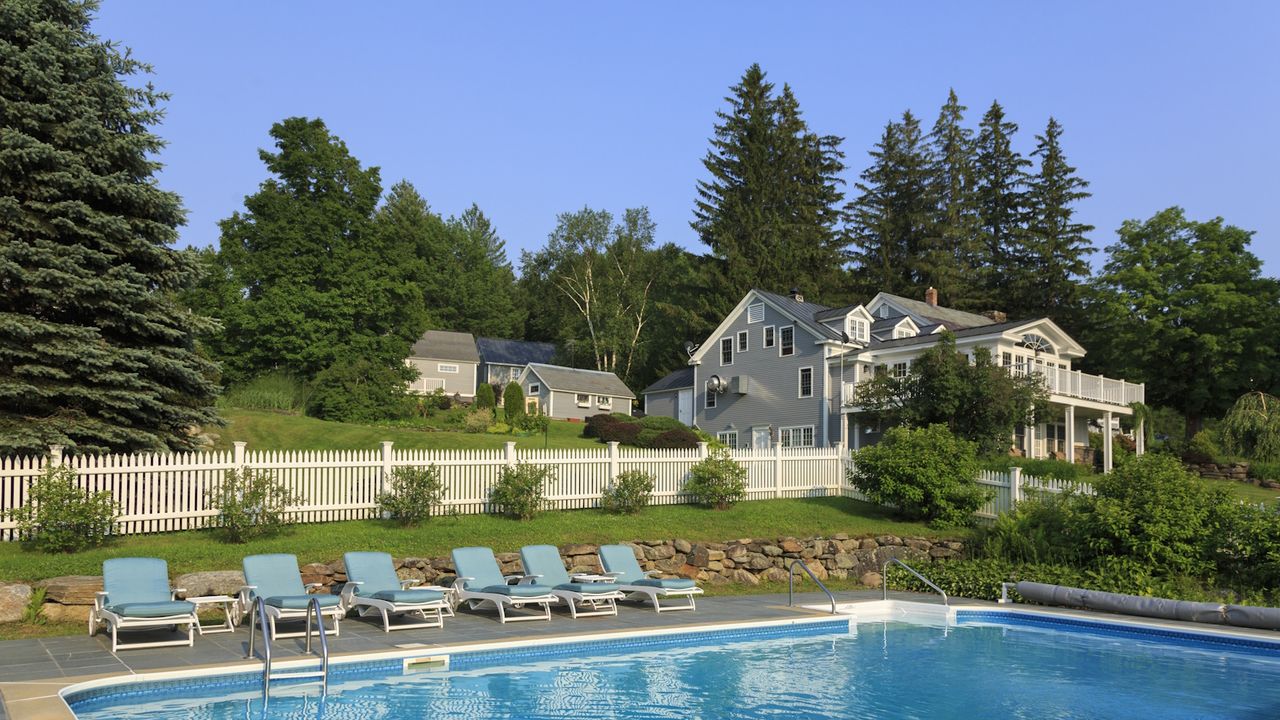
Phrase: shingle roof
(682,378)
(963,332)
(938,313)
(515,352)
(804,312)
(594,382)
(446,345)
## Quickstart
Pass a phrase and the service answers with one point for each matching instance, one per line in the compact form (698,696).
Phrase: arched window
(1037,343)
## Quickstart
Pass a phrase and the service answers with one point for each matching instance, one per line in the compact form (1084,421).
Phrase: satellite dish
(716,384)
(690,348)
(844,337)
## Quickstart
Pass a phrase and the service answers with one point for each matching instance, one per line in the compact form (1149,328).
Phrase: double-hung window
(534,388)
(742,341)
(709,394)
(584,399)
(728,437)
(769,336)
(726,351)
(786,341)
(806,382)
(801,436)
(900,370)
(604,402)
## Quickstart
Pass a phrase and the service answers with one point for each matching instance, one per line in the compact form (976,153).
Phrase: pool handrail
(884,579)
(791,580)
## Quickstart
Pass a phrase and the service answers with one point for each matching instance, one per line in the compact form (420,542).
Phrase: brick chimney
(795,295)
(931,297)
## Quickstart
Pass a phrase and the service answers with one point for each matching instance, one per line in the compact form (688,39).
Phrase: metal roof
(446,345)
(937,313)
(682,378)
(515,352)
(805,313)
(963,332)
(594,382)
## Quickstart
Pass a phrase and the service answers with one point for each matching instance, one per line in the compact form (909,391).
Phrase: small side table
(592,578)
(228,609)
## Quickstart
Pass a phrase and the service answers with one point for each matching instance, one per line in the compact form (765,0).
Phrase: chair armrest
(531,579)
(408,583)
(312,586)
(100,599)
(508,578)
(652,573)
(173,594)
(460,582)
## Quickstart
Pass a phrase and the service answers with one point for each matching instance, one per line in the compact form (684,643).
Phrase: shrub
(661,423)
(361,390)
(1060,469)
(646,436)
(414,494)
(485,397)
(677,438)
(250,504)
(438,399)
(513,402)
(521,490)
(926,473)
(1252,427)
(1264,470)
(1202,448)
(1043,528)
(60,516)
(621,433)
(629,493)
(478,420)
(533,423)
(717,481)
(273,391)
(593,426)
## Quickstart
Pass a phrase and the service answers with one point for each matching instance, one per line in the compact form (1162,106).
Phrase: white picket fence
(166,492)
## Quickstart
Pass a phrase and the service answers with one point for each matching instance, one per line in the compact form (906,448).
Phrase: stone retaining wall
(1239,472)
(747,561)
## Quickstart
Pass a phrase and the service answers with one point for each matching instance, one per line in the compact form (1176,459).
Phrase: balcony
(1065,383)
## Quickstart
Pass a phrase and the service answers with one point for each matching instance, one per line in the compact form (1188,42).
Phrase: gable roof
(805,313)
(682,378)
(1067,342)
(514,352)
(593,382)
(918,309)
(446,345)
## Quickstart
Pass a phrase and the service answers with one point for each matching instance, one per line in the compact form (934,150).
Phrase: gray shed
(445,360)
(672,396)
(570,393)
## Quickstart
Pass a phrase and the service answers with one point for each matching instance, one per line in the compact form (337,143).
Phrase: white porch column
(1029,440)
(1140,437)
(1069,417)
(1106,442)
(857,436)
(844,430)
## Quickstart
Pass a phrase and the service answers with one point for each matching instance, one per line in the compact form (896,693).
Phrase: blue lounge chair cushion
(587,588)
(274,576)
(300,602)
(621,560)
(374,572)
(479,564)
(152,609)
(517,590)
(665,583)
(544,561)
(409,596)
(136,580)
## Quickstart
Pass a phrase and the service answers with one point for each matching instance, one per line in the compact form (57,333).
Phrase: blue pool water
(986,666)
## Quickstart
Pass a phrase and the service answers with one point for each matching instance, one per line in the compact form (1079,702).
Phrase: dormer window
(858,329)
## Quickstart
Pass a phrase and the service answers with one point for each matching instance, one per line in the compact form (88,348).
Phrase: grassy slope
(191,551)
(265,430)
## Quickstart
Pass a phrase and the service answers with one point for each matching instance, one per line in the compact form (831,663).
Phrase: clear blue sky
(532,109)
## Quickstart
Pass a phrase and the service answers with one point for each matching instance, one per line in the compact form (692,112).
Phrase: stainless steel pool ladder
(791,584)
(884,579)
(259,614)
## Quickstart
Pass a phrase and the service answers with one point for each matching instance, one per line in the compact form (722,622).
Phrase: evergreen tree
(955,254)
(1056,245)
(769,211)
(319,284)
(484,300)
(1001,202)
(891,220)
(95,352)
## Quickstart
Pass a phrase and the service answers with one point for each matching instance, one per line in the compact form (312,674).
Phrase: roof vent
(795,295)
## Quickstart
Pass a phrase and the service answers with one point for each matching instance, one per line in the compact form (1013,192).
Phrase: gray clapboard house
(569,393)
(782,370)
(445,360)
(502,361)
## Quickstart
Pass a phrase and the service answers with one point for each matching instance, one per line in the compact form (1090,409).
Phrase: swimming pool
(975,664)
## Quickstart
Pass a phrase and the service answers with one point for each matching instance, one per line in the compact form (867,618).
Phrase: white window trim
(790,432)
(800,382)
(724,437)
(792,328)
(766,340)
(604,402)
(535,389)
(743,341)
(450,368)
(709,397)
(755,307)
(732,345)
(577,397)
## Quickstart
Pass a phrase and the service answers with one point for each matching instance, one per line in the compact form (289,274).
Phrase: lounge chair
(480,581)
(136,594)
(619,562)
(373,587)
(276,579)
(543,564)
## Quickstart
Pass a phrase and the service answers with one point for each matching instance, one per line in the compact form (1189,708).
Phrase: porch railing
(1070,383)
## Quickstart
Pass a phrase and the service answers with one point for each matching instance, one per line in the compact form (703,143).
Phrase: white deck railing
(1068,383)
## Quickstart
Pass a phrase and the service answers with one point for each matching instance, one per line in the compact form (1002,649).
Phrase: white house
(779,369)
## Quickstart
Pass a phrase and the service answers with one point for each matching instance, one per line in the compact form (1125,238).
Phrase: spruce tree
(769,211)
(95,353)
(1055,243)
(891,219)
(1001,201)
(954,241)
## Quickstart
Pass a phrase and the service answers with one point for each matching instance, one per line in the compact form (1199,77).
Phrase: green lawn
(190,551)
(1248,492)
(265,430)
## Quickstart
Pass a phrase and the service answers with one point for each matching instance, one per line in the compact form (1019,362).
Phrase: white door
(760,437)
(684,406)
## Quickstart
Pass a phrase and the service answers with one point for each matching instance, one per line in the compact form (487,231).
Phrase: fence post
(238,454)
(511,453)
(841,454)
(386,465)
(702,450)
(55,455)
(613,461)
(1015,486)
(777,470)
